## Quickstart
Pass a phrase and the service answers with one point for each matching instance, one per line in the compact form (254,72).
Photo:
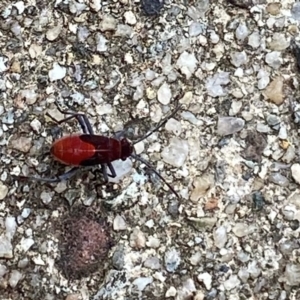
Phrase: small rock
(206,279)
(53,33)
(187,63)
(96,5)
(172,260)
(119,223)
(254,40)
(118,258)
(137,239)
(274,60)
(15,277)
(295,169)
(3,61)
(279,179)
(242,229)
(153,242)
(171,292)
(241,32)
(292,274)
(26,244)
(57,72)
(274,8)
(220,236)
(232,282)
(142,282)
(164,94)
(108,23)
(229,125)
(30,96)
(101,42)
(274,91)
(152,263)
(263,79)
(195,259)
(279,42)
(296,11)
(152,7)
(196,28)
(6,248)
(36,125)
(239,58)
(130,18)
(176,153)
(73,297)
(202,185)
(46,197)
(3,190)
(211,204)
(214,84)
(22,144)
(173,126)
(3,270)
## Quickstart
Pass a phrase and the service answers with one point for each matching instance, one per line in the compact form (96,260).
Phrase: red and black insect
(88,149)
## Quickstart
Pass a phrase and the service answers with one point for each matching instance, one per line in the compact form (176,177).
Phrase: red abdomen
(86,150)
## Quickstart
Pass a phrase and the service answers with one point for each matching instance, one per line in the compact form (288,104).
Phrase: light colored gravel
(231,152)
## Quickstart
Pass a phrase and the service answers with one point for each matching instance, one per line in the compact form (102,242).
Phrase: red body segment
(89,150)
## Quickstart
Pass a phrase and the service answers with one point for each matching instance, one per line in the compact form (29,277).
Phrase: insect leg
(59,178)
(104,172)
(112,170)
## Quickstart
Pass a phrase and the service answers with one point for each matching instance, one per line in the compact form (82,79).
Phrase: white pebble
(164,94)
(187,63)
(130,18)
(58,72)
(3,190)
(14,278)
(119,223)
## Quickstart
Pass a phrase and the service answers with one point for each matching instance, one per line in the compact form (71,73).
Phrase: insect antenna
(145,162)
(164,121)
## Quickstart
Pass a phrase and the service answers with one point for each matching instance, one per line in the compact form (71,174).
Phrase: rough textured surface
(232,152)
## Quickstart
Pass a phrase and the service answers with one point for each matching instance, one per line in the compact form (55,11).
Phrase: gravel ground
(231,152)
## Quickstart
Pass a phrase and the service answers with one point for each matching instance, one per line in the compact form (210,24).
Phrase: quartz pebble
(57,72)
(295,169)
(187,64)
(214,84)
(175,154)
(172,260)
(137,239)
(220,236)
(15,277)
(229,125)
(164,94)
(3,190)
(119,223)
(206,278)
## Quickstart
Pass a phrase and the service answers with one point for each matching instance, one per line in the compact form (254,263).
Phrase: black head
(126,149)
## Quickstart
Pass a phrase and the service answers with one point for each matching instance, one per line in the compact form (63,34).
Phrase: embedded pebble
(137,239)
(174,126)
(187,64)
(295,169)
(15,277)
(130,18)
(232,282)
(220,237)
(119,223)
(176,153)
(229,125)
(206,278)
(242,229)
(46,197)
(57,72)
(274,91)
(142,282)
(274,60)
(152,263)
(53,33)
(6,247)
(22,144)
(214,84)
(164,94)
(172,260)
(3,190)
